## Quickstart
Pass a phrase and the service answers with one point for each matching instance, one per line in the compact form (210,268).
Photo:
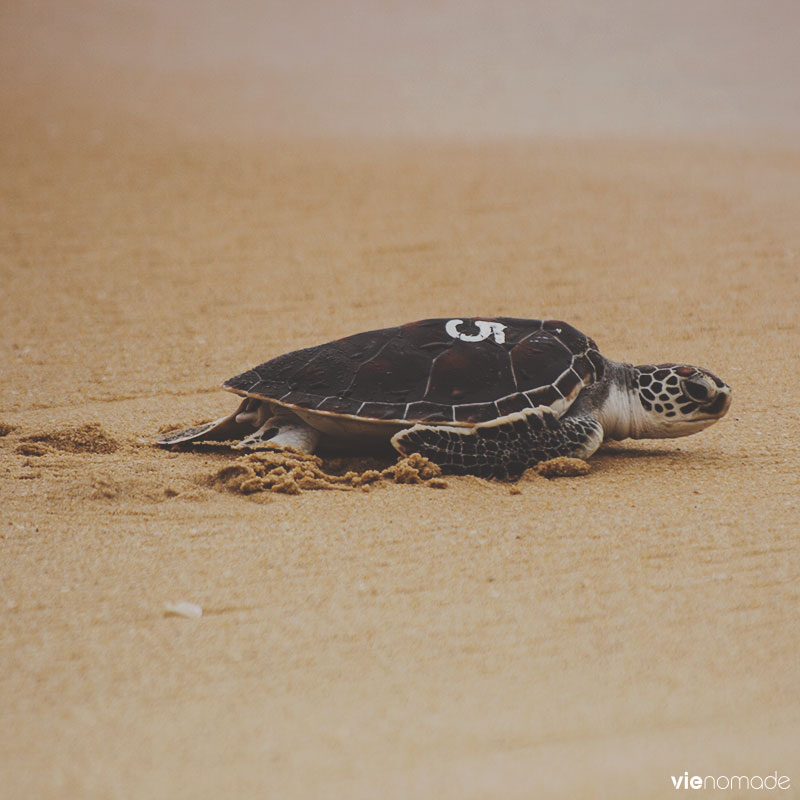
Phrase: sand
(577,637)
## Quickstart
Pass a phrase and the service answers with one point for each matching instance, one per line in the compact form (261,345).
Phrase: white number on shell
(485,330)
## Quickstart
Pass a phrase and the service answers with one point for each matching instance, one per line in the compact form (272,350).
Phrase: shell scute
(517,329)
(512,403)
(363,346)
(543,397)
(397,374)
(300,399)
(465,374)
(422,411)
(314,377)
(428,335)
(383,410)
(244,382)
(568,383)
(476,412)
(339,405)
(539,360)
(571,338)
(584,369)
(598,362)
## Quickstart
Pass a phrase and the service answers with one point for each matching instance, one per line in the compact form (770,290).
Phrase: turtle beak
(720,404)
(711,395)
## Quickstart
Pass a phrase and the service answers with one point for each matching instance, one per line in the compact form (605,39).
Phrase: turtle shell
(454,371)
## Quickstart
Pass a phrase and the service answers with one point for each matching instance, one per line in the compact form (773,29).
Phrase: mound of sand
(562,467)
(88,438)
(289,471)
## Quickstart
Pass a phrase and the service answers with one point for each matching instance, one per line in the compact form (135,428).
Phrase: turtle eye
(696,390)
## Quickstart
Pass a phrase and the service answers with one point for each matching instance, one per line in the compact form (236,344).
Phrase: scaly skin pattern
(503,449)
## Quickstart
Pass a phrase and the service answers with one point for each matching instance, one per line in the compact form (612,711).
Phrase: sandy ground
(583,637)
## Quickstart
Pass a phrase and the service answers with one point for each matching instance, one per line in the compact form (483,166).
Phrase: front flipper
(503,448)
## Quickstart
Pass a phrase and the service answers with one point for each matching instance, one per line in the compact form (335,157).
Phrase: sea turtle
(488,396)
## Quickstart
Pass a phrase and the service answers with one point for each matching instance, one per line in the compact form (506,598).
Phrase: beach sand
(575,637)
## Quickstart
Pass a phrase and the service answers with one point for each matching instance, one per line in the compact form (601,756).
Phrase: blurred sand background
(189,189)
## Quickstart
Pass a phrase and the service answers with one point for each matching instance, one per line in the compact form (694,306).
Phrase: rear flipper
(224,429)
(504,448)
(252,424)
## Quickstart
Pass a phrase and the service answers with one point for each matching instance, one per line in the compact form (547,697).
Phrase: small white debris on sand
(188,610)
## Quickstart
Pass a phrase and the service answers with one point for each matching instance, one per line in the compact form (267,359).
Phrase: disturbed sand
(576,637)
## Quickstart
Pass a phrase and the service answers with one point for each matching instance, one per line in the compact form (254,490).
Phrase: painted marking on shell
(485,330)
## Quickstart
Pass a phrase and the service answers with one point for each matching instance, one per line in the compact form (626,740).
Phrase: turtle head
(677,399)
